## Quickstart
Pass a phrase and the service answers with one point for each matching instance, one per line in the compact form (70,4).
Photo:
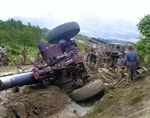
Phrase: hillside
(16,36)
(123,101)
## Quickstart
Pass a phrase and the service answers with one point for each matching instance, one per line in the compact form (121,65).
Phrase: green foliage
(80,46)
(143,46)
(45,30)
(144,27)
(45,41)
(81,37)
(16,35)
(15,32)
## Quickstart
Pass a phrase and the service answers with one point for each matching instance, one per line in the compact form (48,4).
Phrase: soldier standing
(120,65)
(2,52)
(131,61)
(99,61)
(3,49)
(24,52)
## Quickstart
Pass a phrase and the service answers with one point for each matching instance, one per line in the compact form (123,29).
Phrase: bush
(80,46)
(143,46)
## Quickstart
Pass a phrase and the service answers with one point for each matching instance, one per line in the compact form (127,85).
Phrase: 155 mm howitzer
(62,66)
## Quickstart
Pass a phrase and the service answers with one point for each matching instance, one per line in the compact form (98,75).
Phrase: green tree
(143,46)
(144,27)
(14,35)
(81,37)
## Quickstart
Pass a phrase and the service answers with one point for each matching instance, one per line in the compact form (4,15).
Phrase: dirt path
(10,70)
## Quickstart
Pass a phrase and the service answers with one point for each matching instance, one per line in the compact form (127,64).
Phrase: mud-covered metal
(62,65)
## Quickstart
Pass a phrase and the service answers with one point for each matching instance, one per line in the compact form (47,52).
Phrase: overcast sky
(66,10)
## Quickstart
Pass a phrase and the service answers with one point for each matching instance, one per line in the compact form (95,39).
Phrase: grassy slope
(32,52)
(80,46)
(124,101)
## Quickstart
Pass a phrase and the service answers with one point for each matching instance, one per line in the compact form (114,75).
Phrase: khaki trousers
(131,74)
(98,63)
(120,72)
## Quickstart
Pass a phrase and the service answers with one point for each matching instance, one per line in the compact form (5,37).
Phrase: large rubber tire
(88,58)
(67,30)
(87,91)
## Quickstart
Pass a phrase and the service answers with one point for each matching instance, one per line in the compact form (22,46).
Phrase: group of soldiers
(131,62)
(128,64)
(3,54)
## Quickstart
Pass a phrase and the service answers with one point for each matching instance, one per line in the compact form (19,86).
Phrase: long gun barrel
(61,64)
(17,80)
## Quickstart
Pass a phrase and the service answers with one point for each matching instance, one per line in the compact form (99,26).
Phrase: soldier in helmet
(131,61)
(120,66)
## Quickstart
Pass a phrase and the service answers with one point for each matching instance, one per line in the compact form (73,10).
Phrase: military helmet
(120,54)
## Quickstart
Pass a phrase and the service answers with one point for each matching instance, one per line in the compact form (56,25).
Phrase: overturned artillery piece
(62,66)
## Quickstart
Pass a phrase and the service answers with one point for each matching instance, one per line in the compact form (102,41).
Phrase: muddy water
(72,110)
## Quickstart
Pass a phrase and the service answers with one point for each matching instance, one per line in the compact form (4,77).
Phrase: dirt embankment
(124,101)
(39,103)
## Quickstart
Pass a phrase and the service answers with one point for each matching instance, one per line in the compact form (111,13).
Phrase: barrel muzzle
(17,80)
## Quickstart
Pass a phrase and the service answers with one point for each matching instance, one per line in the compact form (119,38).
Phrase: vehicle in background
(111,51)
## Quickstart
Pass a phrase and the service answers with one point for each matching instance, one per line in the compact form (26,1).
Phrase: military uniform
(2,52)
(99,61)
(100,54)
(131,61)
(120,64)
(24,52)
